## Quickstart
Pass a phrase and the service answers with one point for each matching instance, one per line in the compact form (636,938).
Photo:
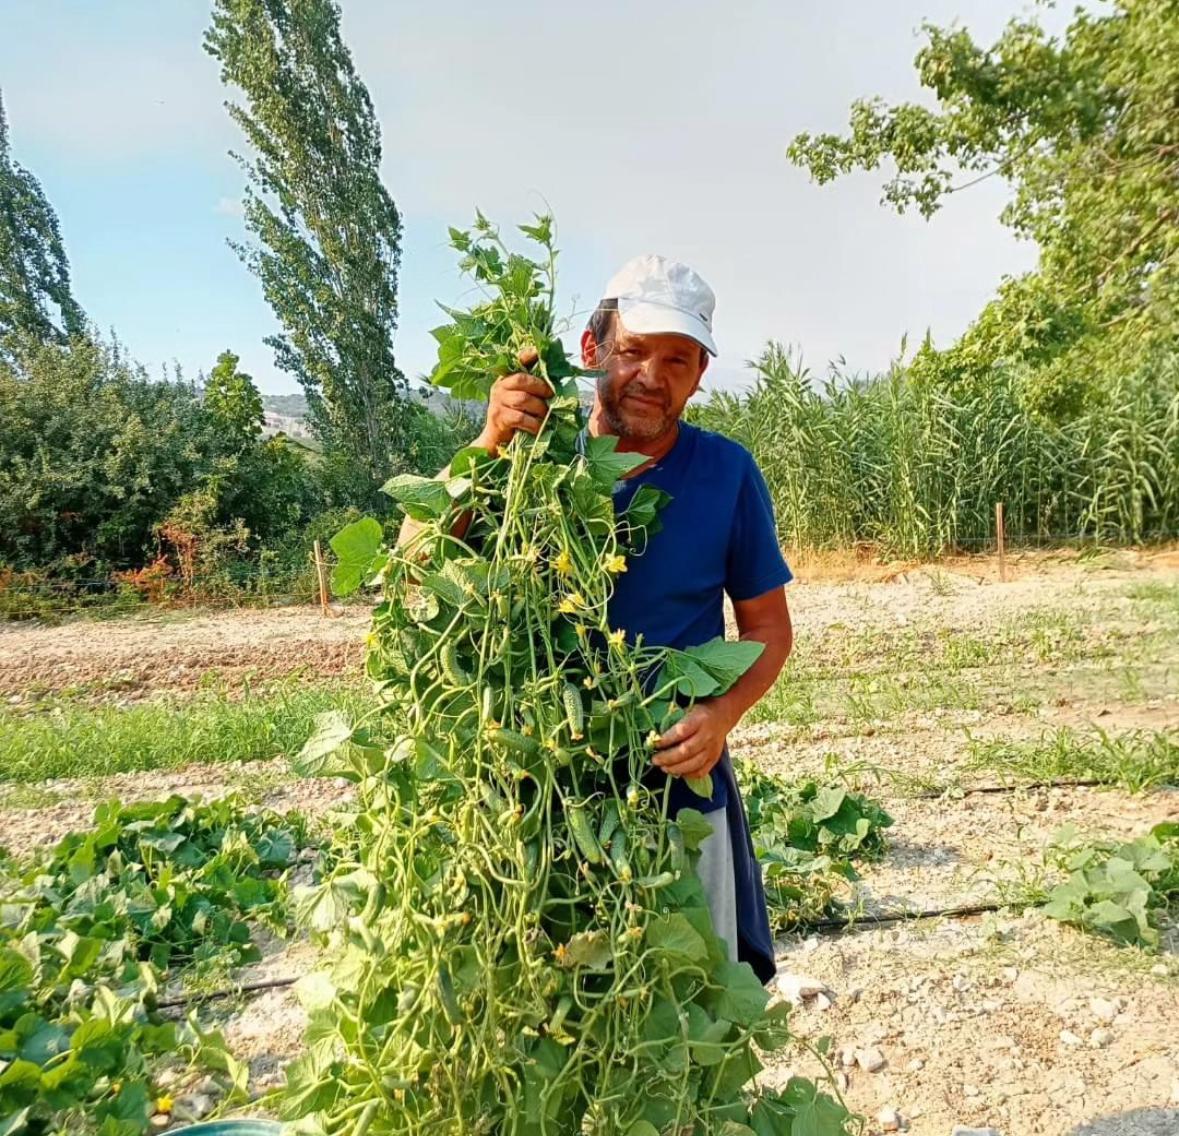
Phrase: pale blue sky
(659,126)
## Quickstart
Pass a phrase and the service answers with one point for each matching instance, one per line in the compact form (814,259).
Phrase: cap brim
(645,318)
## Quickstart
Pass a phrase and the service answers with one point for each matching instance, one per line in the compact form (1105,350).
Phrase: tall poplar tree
(328,233)
(35,297)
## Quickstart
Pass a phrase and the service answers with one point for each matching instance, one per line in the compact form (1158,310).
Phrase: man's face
(647,379)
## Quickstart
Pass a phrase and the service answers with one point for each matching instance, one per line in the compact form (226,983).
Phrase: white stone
(847,1057)
(870,1060)
(970,1090)
(915,1066)
(823,1002)
(195,1106)
(1070,1038)
(842,1081)
(1101,1037)
(798,987)
(963,1130)
(1159,970)
(1104,1010)
(889,1119)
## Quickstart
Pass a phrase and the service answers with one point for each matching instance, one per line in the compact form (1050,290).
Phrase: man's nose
(652,372)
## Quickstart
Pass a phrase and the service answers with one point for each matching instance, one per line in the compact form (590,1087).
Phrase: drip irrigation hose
(860,922)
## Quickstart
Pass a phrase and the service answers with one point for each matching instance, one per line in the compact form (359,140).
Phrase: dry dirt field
(1004,1020)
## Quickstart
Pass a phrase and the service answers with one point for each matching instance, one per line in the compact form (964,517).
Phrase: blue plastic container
(244,1126)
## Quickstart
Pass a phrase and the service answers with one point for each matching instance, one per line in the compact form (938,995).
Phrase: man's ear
(589,351)
(705,359)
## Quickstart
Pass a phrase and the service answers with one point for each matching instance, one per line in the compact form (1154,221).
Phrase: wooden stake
(321,573)
(1002,542)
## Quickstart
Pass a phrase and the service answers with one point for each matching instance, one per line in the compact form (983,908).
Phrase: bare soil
(1003,1020)
(179,651)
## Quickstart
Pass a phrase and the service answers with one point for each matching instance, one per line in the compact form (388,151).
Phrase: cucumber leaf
(357,547)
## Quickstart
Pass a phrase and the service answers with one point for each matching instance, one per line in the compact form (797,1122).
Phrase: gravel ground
(1002,1020)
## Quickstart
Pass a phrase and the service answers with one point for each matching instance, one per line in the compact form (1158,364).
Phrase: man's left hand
(693,746)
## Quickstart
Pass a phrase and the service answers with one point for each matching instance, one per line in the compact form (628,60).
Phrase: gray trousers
(715,869)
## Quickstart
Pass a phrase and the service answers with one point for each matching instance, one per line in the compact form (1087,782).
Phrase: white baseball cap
(657,295)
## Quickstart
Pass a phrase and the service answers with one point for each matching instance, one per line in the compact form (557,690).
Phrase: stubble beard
(632,427)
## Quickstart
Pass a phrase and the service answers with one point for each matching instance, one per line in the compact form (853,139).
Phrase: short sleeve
(754,564)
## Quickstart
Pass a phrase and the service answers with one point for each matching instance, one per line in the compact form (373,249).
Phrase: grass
(876,675)
(70,740)
(1157,594)
(1137,760)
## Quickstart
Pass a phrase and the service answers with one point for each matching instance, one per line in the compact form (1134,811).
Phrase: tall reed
(916,468)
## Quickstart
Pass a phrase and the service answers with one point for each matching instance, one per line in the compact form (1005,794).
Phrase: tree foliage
(35,296)
(234,401)
(328,232)
(92,453)
(95,457)
(1085,128)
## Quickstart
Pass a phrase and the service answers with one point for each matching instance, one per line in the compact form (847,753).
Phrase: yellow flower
(164,1102)
(563,564)
(571,604)
(615,563)
(580,629)
(617,638)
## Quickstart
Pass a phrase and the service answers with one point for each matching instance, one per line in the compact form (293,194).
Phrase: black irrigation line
(186,1000)
(885,917)
(845,924)
(955,791)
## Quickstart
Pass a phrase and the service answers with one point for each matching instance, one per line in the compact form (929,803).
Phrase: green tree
(35,297)
(92,452)
(95,457)
(234,402)
(328,231)
(1085,128)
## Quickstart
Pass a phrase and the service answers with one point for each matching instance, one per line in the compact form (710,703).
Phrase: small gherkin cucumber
(455,674)
(583,835)
(515,741)
(574,711)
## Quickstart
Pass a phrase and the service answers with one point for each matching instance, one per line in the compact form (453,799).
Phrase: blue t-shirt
(717,536)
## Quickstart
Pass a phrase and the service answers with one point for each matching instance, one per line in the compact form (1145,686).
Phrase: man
(651,337)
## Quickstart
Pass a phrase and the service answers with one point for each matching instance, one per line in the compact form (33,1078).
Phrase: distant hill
(286,414)
(288,405)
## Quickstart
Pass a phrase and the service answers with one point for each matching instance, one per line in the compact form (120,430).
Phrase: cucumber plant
(520,943)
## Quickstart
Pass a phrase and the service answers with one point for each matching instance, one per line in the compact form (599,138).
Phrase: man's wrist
(486,441)
(729,714)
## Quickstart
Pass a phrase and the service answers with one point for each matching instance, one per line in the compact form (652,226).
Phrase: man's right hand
(518,402)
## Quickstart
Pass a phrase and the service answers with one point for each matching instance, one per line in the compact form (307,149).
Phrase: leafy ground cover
(809,838)
(1116,889)
(89,933)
